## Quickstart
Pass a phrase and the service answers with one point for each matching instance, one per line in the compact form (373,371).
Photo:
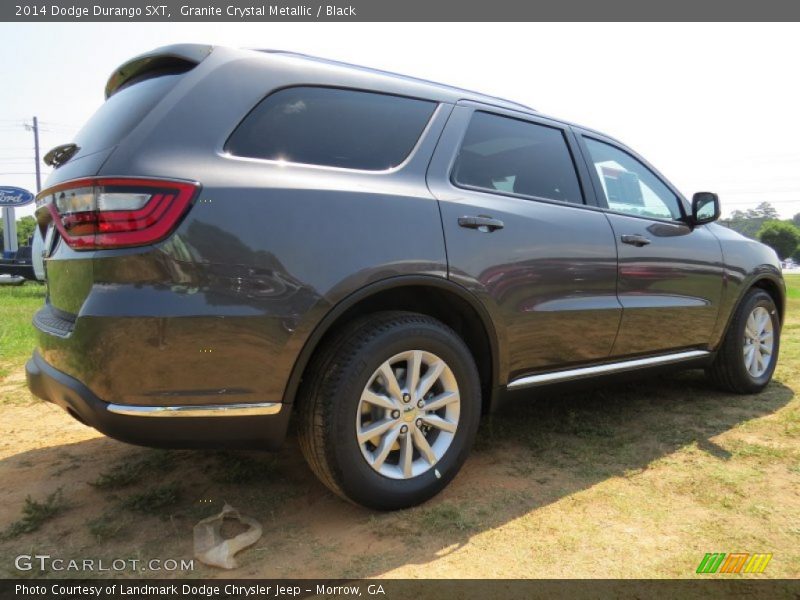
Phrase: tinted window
(332,127)
(518,157)
(122,112)
(629,186)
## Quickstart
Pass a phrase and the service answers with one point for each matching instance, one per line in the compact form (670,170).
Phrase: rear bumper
(229,426)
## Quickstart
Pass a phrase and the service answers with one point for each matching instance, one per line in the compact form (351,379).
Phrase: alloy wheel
(759,342)
(408,414)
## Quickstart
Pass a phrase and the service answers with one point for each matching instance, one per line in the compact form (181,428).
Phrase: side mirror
(705,208)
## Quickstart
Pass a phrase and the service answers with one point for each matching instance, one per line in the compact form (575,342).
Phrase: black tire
(728,371)
(329,405)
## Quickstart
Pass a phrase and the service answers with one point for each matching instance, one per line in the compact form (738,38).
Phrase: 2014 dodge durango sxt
(236,236)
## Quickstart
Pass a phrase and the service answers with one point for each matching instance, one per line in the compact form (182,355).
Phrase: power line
(23,172)
(779,201)
(768,192)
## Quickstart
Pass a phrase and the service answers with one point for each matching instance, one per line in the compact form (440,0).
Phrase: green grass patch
(237,467)
(748,450)
(35,514)
(792,285)
(17,336)
(107,526)
(128,472)
(153,500)
(445,517)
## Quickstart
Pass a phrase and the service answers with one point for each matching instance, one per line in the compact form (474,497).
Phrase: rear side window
(122,112)
(332,127)
(516,157)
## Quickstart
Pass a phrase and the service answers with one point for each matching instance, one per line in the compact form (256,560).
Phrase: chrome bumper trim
(210,410)
(583,372)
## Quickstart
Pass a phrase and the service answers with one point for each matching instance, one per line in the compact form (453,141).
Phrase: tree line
(763,223)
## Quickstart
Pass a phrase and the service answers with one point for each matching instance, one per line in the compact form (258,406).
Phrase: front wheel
(390,410)
(747,356)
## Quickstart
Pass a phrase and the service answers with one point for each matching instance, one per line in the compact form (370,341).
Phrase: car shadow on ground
(121,500)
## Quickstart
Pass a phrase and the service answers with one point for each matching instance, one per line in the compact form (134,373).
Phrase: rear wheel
(746,358)
(390,410)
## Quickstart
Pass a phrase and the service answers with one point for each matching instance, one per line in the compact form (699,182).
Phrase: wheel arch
(434,296)
(767,280)
(774,288)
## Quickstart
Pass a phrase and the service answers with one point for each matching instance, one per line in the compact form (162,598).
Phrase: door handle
(635,240)
(481,223)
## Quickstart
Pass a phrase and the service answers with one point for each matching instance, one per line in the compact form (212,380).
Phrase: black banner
(394,589)
(399,10)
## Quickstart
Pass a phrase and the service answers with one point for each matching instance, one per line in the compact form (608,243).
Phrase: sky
(713,106)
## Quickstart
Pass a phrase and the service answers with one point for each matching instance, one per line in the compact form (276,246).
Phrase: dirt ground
(628,480)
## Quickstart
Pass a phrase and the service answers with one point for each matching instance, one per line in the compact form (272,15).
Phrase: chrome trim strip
(582,372)
(223,153)
(210,410)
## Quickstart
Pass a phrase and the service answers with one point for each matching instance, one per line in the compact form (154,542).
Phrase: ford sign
(14,196)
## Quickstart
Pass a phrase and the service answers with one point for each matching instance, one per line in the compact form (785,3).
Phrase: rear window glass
(122,112)
(516,157)
(332,127)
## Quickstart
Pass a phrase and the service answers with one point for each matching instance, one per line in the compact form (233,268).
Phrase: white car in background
(36,254)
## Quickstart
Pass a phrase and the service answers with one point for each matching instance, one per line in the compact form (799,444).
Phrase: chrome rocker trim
(583,372)
(210,410)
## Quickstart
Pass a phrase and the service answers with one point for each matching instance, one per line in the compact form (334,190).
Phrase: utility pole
(36,154)
(9,218)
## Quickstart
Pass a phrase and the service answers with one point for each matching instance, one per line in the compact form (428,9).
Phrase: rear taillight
(116,212)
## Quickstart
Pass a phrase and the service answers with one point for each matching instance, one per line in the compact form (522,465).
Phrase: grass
(17,305)
(107,526)
(154,500)
(35,514)
(792,286)
(132,471)
(241,468)
(445,517)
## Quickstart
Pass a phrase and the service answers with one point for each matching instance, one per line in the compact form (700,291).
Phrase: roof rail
(393,74)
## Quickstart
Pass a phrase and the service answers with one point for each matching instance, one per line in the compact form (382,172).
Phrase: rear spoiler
(176,57)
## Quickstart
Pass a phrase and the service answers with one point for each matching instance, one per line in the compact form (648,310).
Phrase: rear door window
(332,127)
(510,156)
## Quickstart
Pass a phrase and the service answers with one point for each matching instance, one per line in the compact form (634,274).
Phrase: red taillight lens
(115,212)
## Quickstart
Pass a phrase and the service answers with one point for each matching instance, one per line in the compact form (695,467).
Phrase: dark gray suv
(236,236)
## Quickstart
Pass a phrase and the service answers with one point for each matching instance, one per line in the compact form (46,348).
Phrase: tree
(765,211)
(749,222)
(781,236)
(25,228)
(796,220)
